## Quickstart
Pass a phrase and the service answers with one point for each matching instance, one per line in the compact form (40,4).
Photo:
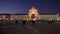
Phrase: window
(3,17)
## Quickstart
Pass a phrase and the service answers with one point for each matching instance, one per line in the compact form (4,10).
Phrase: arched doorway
(33,16)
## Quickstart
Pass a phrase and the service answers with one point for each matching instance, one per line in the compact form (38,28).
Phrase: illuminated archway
(33,13)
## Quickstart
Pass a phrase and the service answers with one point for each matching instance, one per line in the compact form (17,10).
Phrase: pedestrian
(33,22)
(24,22)
(16,21)
(48,22)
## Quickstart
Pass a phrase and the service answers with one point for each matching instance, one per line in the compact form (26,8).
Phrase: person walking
(24,22)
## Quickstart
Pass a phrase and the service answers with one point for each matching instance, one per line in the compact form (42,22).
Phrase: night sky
(23,6)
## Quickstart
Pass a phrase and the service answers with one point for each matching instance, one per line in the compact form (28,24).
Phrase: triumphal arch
(33,13)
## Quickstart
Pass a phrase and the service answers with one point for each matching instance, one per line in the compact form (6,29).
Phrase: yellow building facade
(33,14)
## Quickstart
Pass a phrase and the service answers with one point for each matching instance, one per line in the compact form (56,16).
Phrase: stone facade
(31,15)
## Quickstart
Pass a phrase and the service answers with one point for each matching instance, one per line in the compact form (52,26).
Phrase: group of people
(33,22)
(24,22)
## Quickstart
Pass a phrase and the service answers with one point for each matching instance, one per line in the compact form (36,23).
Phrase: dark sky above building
(23,6)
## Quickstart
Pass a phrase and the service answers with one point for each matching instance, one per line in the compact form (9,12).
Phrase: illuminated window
(3,17)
